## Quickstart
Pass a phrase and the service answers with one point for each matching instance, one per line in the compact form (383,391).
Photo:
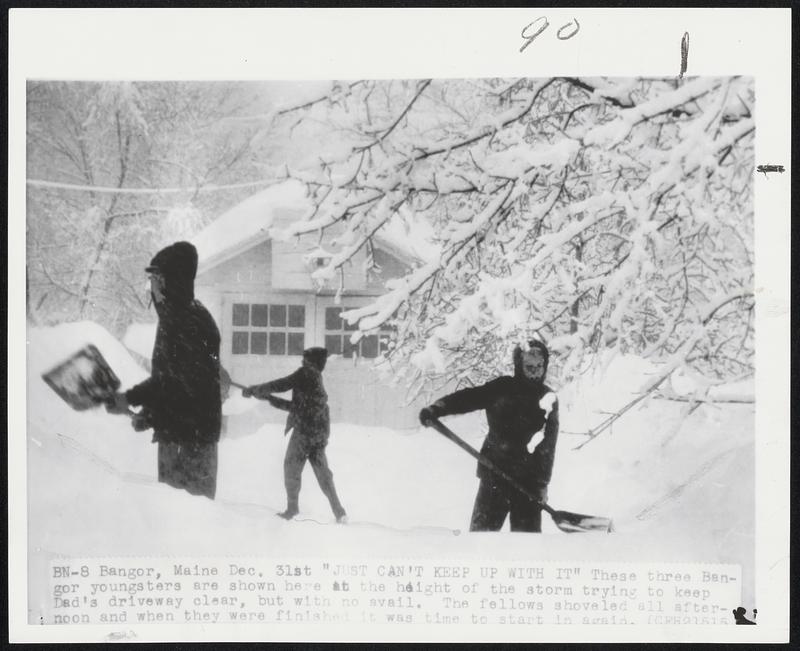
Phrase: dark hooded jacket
(181,398)
(514,416)
(309,415)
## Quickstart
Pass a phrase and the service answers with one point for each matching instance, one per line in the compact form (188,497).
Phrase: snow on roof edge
(247,224)
(217,259)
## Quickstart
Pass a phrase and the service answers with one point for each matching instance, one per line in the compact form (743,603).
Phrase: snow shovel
(84,380)
(564,520)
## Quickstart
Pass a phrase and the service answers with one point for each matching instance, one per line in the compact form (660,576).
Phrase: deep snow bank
(679,485)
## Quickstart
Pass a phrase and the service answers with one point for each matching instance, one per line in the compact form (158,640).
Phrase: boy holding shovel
(517,408)
(309,418)
(181,398)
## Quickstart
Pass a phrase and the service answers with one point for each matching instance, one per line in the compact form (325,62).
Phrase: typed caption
(144,591)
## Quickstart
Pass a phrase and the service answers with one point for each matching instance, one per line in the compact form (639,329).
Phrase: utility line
(93,188)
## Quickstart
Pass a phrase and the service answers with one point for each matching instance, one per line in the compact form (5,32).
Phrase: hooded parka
(517,408)
(181,398)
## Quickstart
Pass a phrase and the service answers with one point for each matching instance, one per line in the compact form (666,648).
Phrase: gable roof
(248,224)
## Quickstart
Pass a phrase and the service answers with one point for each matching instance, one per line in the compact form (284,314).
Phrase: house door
(355,391)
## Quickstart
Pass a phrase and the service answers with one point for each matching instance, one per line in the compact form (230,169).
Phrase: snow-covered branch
(616,131)
(626,229)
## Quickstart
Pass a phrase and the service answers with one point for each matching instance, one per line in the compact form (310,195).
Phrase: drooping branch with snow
(598,213)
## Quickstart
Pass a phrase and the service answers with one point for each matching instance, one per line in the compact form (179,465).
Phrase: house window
(240,343)
(338,333)
(268,329)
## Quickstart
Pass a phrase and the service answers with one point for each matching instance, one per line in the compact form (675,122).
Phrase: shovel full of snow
(84,380)
(564,520)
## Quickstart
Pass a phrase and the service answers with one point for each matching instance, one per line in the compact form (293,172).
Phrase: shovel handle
(488,463)
(128,412)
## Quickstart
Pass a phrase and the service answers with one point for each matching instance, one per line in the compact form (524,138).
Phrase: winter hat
(316,356)
(177,263)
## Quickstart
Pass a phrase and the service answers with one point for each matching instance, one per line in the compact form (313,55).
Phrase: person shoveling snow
(309,417)
(181,400)
(515,463)
(516,408)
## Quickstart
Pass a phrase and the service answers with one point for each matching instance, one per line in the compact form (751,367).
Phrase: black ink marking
(563,27)
(531,38)
(770,168)
(684,54)
(738,615)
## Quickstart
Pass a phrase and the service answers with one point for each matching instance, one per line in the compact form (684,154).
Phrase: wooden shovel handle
(488,463)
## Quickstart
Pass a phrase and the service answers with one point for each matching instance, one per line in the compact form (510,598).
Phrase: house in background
(268,308)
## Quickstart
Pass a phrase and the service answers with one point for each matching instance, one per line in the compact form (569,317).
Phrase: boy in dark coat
(516,408)
(181,398)
(309,417)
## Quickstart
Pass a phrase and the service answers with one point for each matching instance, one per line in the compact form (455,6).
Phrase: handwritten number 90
(531,31)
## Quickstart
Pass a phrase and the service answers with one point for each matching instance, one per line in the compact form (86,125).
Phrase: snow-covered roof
(248,224)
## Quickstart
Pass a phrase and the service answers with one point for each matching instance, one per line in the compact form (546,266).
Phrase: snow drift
(679,482)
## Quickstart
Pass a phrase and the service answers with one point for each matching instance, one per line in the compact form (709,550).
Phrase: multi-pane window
(268,329)
(338,333)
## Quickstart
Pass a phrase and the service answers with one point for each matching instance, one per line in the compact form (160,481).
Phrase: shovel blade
(576,522)
(84,380)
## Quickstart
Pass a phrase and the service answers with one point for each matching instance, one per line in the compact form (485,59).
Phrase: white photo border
(272,44)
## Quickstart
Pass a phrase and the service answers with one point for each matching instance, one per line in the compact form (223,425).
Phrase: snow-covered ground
(679,485)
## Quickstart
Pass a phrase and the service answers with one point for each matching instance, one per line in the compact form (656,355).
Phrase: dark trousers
(191,467)
(298,452)
(495,500)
